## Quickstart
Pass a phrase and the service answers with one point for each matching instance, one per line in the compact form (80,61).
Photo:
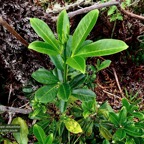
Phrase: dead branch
(130,14)
(95,6)
(117,81)
(12,31)
(14,110)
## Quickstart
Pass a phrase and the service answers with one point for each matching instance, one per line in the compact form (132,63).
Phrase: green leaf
(57,61)
(77,63)
(43,47)
(84,94)
(122,116)
(119,135)
(64,91)
(106,106)
(69,46)
(114,118)
(126,103)
(83,29)
(39,133)
(43,31)
(72,126)
(44,76)
(133,131)
(140,125)
(22,136)
(88,107)
(77,80)
(106,142)
(111,10)
(46,93)
(49,139)
(105,132)
(103,65)
(102,48)
(63,27)
(138,115)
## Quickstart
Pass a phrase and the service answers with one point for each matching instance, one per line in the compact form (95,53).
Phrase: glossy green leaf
(57,61)
(83,29)
(64,91)
(46,93)
(126,103)
(105,132)
(69,46)
(122,116)
(140,125)
(103,65)
(43,47)
(106,142)
(114,118)
(88,107)
(44,76)
(39,133)
(119,135)
(138,115)
(77,63)
(72,126)
(49,139)
(43,31)
(102,48)
(63,27)
(22,136)
(84,94)
(77,80)
(133,131)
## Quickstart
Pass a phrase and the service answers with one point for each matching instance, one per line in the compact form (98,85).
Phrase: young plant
(62,86)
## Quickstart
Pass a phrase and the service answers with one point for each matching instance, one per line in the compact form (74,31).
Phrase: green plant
(115,14)
(133,98)
(41,136)
(93,70)
(74,104)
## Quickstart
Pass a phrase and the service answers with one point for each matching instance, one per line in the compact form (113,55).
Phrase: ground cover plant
(65,106)
(64,86)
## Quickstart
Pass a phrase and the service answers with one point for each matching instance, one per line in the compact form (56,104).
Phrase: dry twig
(14,110)
(112,94)
(130,14)
(12,31)
(117,81)
(95,6)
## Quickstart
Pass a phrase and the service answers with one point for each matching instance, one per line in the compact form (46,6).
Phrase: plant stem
(65,65)
(63,103)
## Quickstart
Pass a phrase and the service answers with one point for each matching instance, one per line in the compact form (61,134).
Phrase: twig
(130,14)
(24,105)
(112,94)
(95,6)
(12,31)
(10,117)
(10,91)
(14,110)
(117,81)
